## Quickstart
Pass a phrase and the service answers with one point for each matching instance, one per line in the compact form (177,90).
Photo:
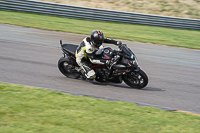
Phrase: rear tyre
(136,79)
(67,69)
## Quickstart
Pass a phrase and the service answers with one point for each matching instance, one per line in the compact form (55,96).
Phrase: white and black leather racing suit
(86,52)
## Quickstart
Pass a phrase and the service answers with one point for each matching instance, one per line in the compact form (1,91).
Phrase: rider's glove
(119,44)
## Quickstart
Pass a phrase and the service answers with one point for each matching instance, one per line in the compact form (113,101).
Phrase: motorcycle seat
(70,48)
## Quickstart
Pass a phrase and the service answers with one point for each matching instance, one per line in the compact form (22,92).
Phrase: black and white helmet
(97,38)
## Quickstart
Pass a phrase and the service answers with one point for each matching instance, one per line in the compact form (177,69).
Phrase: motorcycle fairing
(127,52)
(105,53)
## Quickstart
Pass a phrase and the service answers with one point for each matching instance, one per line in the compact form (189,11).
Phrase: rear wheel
(136,79)
(67,69)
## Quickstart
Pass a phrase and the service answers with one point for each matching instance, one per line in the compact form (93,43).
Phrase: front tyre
(67,69)
(136,79)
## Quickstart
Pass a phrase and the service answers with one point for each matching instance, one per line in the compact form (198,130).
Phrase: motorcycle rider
(86,52)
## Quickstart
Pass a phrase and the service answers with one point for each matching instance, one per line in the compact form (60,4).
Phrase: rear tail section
(61,42)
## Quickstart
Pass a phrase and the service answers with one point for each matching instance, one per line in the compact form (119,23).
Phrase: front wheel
(136,79)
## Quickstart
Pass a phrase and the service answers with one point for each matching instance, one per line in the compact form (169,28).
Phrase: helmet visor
(98,42)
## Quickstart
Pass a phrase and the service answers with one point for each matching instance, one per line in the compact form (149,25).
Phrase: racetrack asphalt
(29,56)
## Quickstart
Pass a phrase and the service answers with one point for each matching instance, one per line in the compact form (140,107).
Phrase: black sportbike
(124,68)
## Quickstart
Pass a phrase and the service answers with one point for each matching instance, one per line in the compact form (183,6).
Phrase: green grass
(139,33)
(35,110)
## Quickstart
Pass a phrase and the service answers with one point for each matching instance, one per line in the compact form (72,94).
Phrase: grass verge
(26,109)
(140,33)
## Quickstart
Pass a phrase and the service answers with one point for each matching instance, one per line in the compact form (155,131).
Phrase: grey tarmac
(29,56)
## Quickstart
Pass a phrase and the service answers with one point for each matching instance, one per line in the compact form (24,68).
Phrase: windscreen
(127,52)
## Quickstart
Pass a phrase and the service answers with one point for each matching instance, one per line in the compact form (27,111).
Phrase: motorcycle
(125,68)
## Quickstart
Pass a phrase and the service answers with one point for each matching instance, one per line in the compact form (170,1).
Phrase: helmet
(97,38)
